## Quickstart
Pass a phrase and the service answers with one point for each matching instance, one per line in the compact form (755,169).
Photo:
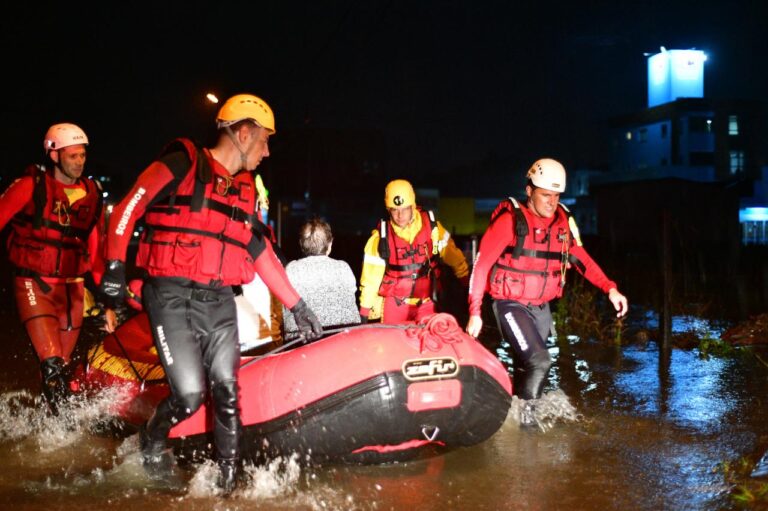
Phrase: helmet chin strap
(243,152)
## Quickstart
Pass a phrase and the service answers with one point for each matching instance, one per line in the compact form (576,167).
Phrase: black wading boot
(226,434)
(55,388)
(229,471)
(157,463)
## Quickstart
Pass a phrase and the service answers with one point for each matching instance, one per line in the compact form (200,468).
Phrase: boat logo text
(430,368)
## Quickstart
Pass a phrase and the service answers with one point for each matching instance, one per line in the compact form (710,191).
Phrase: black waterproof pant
(526,328)
(195,333)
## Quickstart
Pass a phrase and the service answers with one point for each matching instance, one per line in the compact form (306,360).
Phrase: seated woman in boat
(326,284)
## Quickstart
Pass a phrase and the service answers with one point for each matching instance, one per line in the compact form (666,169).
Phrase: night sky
(439,85)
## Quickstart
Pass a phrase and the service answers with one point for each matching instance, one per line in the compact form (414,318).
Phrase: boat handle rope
(297,337)
(130,362)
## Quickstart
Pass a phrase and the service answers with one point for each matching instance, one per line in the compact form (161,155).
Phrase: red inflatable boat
(369,394)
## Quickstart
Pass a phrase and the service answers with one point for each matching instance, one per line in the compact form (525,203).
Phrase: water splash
(25,417)
(278,479)
(551,408)
(282,481)
(20,412)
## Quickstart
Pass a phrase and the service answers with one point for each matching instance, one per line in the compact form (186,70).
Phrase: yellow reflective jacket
(374,265)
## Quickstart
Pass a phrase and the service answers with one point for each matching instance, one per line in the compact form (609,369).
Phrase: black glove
(113,282)
(306,320)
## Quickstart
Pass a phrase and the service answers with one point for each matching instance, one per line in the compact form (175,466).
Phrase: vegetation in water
(583,312)
(746,491)
(710,346)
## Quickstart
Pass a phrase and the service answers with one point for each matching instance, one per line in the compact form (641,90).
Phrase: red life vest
(50,235)
(202,230)
(411,267)
(532,271)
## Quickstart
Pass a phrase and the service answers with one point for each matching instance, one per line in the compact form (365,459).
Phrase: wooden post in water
(665,315)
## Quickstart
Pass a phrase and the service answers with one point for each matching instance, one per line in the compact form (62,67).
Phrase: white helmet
(63,135)
(548,174)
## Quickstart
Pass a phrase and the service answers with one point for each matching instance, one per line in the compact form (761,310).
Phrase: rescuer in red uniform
(522,261)
(54,241)
(199,240)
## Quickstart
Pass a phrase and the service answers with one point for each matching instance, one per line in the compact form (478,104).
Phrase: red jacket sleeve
(589,268)
(272,272)
(96,249)
(123,218)
(496,238)
(13,199)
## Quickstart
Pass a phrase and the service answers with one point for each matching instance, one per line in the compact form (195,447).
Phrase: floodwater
(620,428)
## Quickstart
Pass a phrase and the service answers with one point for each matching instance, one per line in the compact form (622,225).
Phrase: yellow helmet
(399,193)
(246,106)
(548,174)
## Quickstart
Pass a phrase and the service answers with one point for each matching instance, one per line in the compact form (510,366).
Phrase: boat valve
(430,432)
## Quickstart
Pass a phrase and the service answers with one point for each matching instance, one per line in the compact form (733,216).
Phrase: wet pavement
(625,427)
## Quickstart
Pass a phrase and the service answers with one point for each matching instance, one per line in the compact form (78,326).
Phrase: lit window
(737,161)
(754,233)
(733,125)
(628,135)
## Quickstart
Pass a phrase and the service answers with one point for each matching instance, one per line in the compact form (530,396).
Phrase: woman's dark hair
(315,237)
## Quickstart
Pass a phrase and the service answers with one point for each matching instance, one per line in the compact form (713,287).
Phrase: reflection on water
(686,324)
(695,396)
(619,428)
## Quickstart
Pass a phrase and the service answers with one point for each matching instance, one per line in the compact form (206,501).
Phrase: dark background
(458,96)
(397,88)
